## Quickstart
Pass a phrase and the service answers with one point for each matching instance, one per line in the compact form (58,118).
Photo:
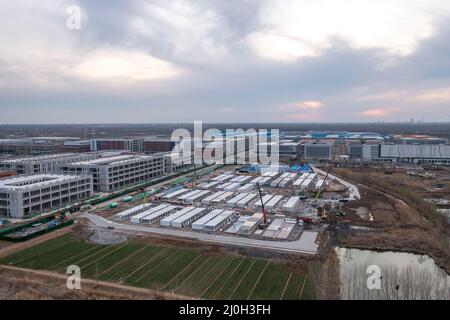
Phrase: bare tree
(409,283)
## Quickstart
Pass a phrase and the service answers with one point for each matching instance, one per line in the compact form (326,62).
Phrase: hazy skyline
(223,61)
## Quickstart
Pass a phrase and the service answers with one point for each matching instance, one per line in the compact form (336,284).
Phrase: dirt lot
(19,284)
(401,219)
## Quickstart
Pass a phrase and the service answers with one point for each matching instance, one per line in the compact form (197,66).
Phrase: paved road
(305,245)
(354,192)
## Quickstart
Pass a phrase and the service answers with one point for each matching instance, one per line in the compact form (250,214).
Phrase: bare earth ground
(328,284)
(18,283)
(401,222)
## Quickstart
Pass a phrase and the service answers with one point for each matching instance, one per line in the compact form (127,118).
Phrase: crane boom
(324,180)
(262,204)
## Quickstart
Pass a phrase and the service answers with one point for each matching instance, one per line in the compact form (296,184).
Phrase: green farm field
(179,270)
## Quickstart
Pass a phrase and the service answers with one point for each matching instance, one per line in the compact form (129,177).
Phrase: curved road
(354,192)
(305,245)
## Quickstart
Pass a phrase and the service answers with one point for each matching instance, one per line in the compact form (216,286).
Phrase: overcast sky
(231,61)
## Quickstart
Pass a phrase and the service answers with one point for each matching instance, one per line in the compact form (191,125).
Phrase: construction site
(270,205)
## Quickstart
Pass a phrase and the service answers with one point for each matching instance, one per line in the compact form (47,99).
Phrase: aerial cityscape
(205,150)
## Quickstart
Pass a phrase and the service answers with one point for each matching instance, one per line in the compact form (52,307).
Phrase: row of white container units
(270,202)
(270,174)
(291,204)
(229,186)
(284,180)
(262,181)
(305,181)
(183,218)
(223,177)
(217,197)
(178,217)
(280,228)
(209,185)
(193,196)
(242,200)
(175,194)
(251,224)
(127,214)
(154,214)
(214,220)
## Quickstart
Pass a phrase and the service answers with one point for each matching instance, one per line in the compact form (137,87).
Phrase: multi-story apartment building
(132,145)
(24,195)
(44,164)
(116,172)
(174,162)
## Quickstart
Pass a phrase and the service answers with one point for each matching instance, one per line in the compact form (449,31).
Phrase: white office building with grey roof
(117,172)
(22,196)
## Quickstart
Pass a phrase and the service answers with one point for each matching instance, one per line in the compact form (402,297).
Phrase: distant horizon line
(214,122)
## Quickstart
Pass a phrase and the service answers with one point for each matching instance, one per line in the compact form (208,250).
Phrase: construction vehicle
(263,224)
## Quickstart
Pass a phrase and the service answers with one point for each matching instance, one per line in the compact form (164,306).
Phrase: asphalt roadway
(305,245)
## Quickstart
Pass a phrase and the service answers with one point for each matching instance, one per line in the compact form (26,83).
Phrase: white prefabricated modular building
(127,214)
(232,187)
(210,185)
(305,184)
(223,177)
(298,182)
(270,174)
(197,197)
(138,218)
(291,204)
(236,179)
(265,181)
(187,219)
(198,225)
(274,228)
(265,200)
(174,194)
(270,205)
(218,222)
(246,187)
(167,221)
(304,176)
(245,179)
(158,215)
(319,184)
(223,197)
(251,224)
(224,185)
(256,180)
(209,199)
(284,183)
(286,230)
(275,182)
(232,202)
(246,200)
(188,195)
